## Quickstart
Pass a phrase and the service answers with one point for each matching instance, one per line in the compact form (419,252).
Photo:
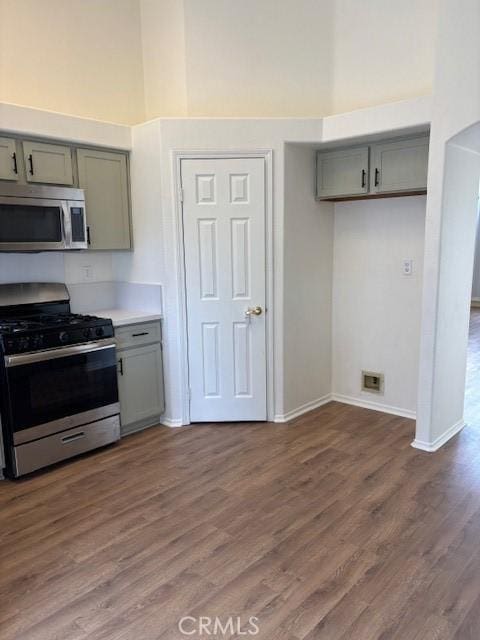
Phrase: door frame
(177,156)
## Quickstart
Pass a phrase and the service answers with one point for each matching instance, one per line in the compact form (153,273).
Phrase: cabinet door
(342,173)
(400,166)
(8,159)
(48,163)
(104,177)
(140,383)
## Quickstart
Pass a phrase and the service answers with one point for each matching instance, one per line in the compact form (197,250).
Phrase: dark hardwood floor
(331,527)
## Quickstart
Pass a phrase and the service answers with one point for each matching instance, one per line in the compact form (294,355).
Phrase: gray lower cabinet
(104,176)
(8,159)
(48,163)
(400,166)
(342,173)
(140,383)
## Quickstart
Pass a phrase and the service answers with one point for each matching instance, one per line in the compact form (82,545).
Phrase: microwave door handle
(62,225)
(66,226)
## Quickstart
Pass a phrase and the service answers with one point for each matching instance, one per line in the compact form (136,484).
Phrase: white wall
(146,261)
(26,121)
(250,58)
(131,60)
(376,309)
(460,212)
(99,262)
(278,58)
(476,268)
(55,266)
(450,225)
(457,247)
(164,60)
(307,304)
(36,267)
(383,51)
(81,57)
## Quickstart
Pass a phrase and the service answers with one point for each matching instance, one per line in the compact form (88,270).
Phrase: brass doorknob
(254,311)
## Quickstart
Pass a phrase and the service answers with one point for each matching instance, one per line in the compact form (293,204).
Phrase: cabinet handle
(364,178)
(377,177)
(88,235)
(120,362)
(14,158)
(143,333)
(30,162)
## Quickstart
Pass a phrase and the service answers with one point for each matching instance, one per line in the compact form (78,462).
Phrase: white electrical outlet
(407,267)
(87,273)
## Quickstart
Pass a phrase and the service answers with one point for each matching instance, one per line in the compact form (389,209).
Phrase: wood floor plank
(328,528)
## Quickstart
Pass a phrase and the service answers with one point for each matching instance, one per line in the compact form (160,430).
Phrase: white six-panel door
(224,242)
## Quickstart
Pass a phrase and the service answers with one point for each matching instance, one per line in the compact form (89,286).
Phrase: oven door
(32,224)
(58,389)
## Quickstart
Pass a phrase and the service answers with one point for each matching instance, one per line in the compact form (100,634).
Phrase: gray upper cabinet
(48,163)
(342,173)
(8,159)
(400,166)
(104,176)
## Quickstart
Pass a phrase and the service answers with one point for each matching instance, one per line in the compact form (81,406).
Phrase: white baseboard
(308,406)
(441,440)
(140,425)
(315,404)
(374,406)
(168,422)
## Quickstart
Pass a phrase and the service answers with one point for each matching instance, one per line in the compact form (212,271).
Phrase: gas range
(58,378)
(20,334)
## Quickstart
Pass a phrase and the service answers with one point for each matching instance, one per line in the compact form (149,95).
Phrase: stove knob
(63,336)
(37,341)
(87,333)
(99,332)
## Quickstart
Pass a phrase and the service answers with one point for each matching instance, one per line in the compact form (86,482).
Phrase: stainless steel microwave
(42,218)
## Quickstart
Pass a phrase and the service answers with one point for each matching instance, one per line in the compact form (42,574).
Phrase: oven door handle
(62,352)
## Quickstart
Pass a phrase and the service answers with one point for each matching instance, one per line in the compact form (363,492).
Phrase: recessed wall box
(372,382)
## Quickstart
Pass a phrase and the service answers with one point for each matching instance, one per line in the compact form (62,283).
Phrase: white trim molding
(441,440)
(19,120)
(168,422)
(336,397)
(374,406)
(304,408)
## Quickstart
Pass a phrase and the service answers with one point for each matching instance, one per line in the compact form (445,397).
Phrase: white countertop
(124,317)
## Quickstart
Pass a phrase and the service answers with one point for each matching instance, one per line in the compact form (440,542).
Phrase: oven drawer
(138,334)
(41,453)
